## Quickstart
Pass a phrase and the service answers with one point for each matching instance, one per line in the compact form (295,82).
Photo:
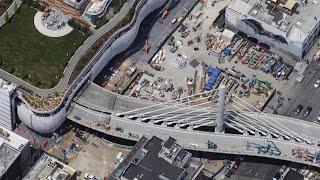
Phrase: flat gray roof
(48,166)
(10,148)
(7,156)
(295,27)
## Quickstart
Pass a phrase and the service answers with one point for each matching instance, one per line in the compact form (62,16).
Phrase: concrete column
(220,113)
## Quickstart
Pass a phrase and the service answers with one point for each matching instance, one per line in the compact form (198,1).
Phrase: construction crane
(211,145)
(164,14)
(146,47)
(270,148)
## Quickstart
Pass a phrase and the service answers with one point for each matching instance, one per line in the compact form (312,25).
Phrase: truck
(214,74)
(77,117)
(197,14)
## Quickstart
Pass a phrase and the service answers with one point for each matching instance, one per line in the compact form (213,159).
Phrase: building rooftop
(7,156)
(293,175)
(157,159)
(11,145)
(293,19)
(50,168)
(96,6)
(12,139)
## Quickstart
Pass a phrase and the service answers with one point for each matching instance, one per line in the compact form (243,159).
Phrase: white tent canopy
(228,35)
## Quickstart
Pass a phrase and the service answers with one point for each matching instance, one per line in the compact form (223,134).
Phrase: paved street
(158,30)
(305,94)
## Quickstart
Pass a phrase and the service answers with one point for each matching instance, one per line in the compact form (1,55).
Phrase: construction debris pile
(258,58)
(121,78)
(157,60)
(255,56)
(68,146)
(256,91)
(161,89)
(215,43)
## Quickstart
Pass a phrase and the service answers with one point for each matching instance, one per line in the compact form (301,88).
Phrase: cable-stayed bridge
(204,122)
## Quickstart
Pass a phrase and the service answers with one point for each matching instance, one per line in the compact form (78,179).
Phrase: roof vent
(254,12)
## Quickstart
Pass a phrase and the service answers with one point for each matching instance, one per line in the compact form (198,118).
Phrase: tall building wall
(7,113)
(297,49)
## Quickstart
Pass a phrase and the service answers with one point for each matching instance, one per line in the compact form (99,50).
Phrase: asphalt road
(305,94)
(152,29)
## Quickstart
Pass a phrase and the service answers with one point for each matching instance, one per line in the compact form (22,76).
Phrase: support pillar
(220,113)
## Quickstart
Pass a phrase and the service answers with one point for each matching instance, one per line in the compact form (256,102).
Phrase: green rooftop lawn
(31,56)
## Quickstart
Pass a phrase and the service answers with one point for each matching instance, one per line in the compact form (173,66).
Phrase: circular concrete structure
(48,32)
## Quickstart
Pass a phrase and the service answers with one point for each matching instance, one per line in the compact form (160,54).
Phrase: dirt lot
(98,157)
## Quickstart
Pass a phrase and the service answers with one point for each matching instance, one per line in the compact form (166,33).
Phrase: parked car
(316,122)
(182,28)
(174,49)
(174,20)
(307,111)
(317,83)
(298,109)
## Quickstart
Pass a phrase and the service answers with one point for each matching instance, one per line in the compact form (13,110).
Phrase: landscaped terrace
(31,56)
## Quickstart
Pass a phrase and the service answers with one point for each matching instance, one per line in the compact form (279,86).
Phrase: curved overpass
(117,43)
(294,137)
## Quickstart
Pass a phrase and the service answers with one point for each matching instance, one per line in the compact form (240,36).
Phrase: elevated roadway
(286,138)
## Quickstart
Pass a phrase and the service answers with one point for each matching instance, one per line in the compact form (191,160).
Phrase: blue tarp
(227,51)
(214,73)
